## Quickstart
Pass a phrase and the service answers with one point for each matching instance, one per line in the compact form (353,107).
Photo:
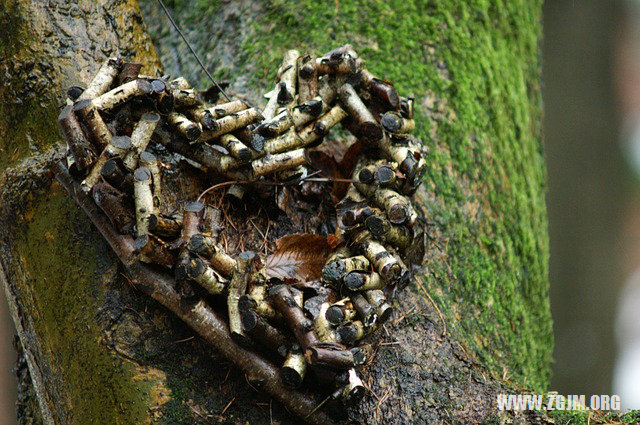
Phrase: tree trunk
(100,352)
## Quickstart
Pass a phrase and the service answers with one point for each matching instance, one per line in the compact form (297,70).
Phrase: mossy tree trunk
(99,352)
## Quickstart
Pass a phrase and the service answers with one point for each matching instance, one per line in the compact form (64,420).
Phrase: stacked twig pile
(110,124)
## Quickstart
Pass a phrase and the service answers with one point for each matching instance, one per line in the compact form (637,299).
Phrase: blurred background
(591,56)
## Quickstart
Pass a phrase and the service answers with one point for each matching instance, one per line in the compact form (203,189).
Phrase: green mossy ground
(474,69)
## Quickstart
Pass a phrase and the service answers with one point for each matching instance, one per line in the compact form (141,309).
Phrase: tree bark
(475,323)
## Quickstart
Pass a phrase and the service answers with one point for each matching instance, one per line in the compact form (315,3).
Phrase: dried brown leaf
(299,256)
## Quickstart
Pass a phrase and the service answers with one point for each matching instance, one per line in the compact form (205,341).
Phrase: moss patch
(65,296)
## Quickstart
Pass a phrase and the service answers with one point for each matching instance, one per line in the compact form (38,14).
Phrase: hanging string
(173,23)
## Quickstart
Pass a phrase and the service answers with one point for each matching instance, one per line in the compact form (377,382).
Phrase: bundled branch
(117,128)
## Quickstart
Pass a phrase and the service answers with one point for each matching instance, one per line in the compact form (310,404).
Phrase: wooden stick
(179,83)
(351,332)
(152,250)
(397,235)
(301,326)
(340,312)
(307,79)
(368,127)
(187,128)
(237,288)
(358,215)
(191,216)
(393,122)
(205,276)
(285,89)
(293,370)
(236,148)
(232,122)
(262,332)
(388,265)
(377,299)
(140,138)
(202,154)
(223,109)
(406,107)
(103,79)
(333,358)
(405,150)
(121,94)
(323,328)
(278,162)
(150,162)
(112,203)
(79,146)
(353,392)
(99,133)
(336,64)
(335,269)
(383,90)
(298,116)
(185,98)
(397,207)
(363,281)
(308,134)
(203,116)
(250,138)
(206,247)
(164,101)
(366,311)
(165,226)
(114,174)
(143,197)
(118,147)
(258,293)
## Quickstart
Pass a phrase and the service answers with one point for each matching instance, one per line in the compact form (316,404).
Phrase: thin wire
(192,50)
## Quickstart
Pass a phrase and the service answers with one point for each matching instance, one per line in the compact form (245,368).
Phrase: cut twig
(302,327)
(293,370)
(237,288)
(103,79)
(78,144)
(206,247)
(307,78)
(121,94)
(368,127)
(140,138)
(143,197)
(99,133)
(118,147)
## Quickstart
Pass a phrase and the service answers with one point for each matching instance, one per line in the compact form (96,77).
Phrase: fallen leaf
(299,256)
(334,240)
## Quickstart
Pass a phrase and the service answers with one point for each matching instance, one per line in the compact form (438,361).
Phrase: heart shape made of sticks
(192,192)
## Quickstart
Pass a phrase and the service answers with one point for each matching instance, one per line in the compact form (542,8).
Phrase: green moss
(581,417)
(474,69)
(27,119)
(65,296)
